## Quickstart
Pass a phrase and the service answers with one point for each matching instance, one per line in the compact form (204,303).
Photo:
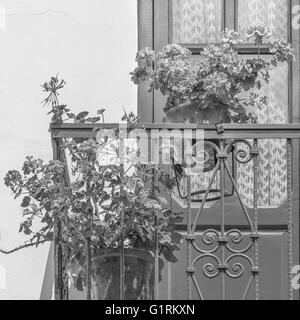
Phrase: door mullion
(230,7)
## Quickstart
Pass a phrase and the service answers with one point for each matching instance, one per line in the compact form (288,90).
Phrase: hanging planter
(189,112)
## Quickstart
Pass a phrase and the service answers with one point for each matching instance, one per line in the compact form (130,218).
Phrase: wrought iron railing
(230,249)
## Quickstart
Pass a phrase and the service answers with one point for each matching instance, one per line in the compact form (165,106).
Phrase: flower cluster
(216,84)
(230,37)
(61,112)
(282,51)
(173,77)
(174,52)
(221,58)
(172,73)
(259,32)
(145,59)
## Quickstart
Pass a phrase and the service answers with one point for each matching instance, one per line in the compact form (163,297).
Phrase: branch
(28,245)
(121,232)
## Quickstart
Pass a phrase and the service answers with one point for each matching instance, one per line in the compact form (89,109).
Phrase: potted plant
(218,89)
(103,210)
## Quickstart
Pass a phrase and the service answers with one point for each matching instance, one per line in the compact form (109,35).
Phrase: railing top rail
(229,131)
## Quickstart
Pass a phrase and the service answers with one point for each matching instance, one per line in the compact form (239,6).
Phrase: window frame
(230,21)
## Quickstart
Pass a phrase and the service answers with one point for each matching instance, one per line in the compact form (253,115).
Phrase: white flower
(230,37)
(258,31)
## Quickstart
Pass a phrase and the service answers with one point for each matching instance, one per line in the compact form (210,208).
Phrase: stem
(28,245)
(55,103)
(88,246)
(89,269)
(120,232)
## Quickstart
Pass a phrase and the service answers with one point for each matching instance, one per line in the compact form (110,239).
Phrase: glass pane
(272,160)
(277,91)
(273,13)
(196,21)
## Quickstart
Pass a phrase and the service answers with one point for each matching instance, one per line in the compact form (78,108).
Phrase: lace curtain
(273,13)
(196,21)
(272,162)
(200,21)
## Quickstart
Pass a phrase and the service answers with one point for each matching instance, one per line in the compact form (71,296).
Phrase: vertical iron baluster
(58,282)
(223,235)
(58,256)
(290,215)
(122,284)
(151,154)
(65,254)
(122,250)
(255,205)
(189,244)
(156,262)
(156,256)
(88,269)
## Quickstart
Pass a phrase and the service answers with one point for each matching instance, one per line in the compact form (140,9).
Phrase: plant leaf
(26,202)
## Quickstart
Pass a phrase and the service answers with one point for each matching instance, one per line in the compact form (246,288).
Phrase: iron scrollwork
(224,253)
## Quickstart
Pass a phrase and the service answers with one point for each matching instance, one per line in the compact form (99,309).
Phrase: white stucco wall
(92,45)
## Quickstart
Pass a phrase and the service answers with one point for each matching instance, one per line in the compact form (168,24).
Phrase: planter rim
(140,253)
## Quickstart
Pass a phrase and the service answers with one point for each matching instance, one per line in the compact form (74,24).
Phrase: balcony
(241,218)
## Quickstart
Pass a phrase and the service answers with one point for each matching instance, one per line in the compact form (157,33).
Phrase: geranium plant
(222,79)
(104,206)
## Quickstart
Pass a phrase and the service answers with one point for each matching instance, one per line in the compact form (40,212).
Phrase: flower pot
(138,278)
(215,113)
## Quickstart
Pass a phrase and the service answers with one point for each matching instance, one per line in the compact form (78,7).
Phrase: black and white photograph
(150,153)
